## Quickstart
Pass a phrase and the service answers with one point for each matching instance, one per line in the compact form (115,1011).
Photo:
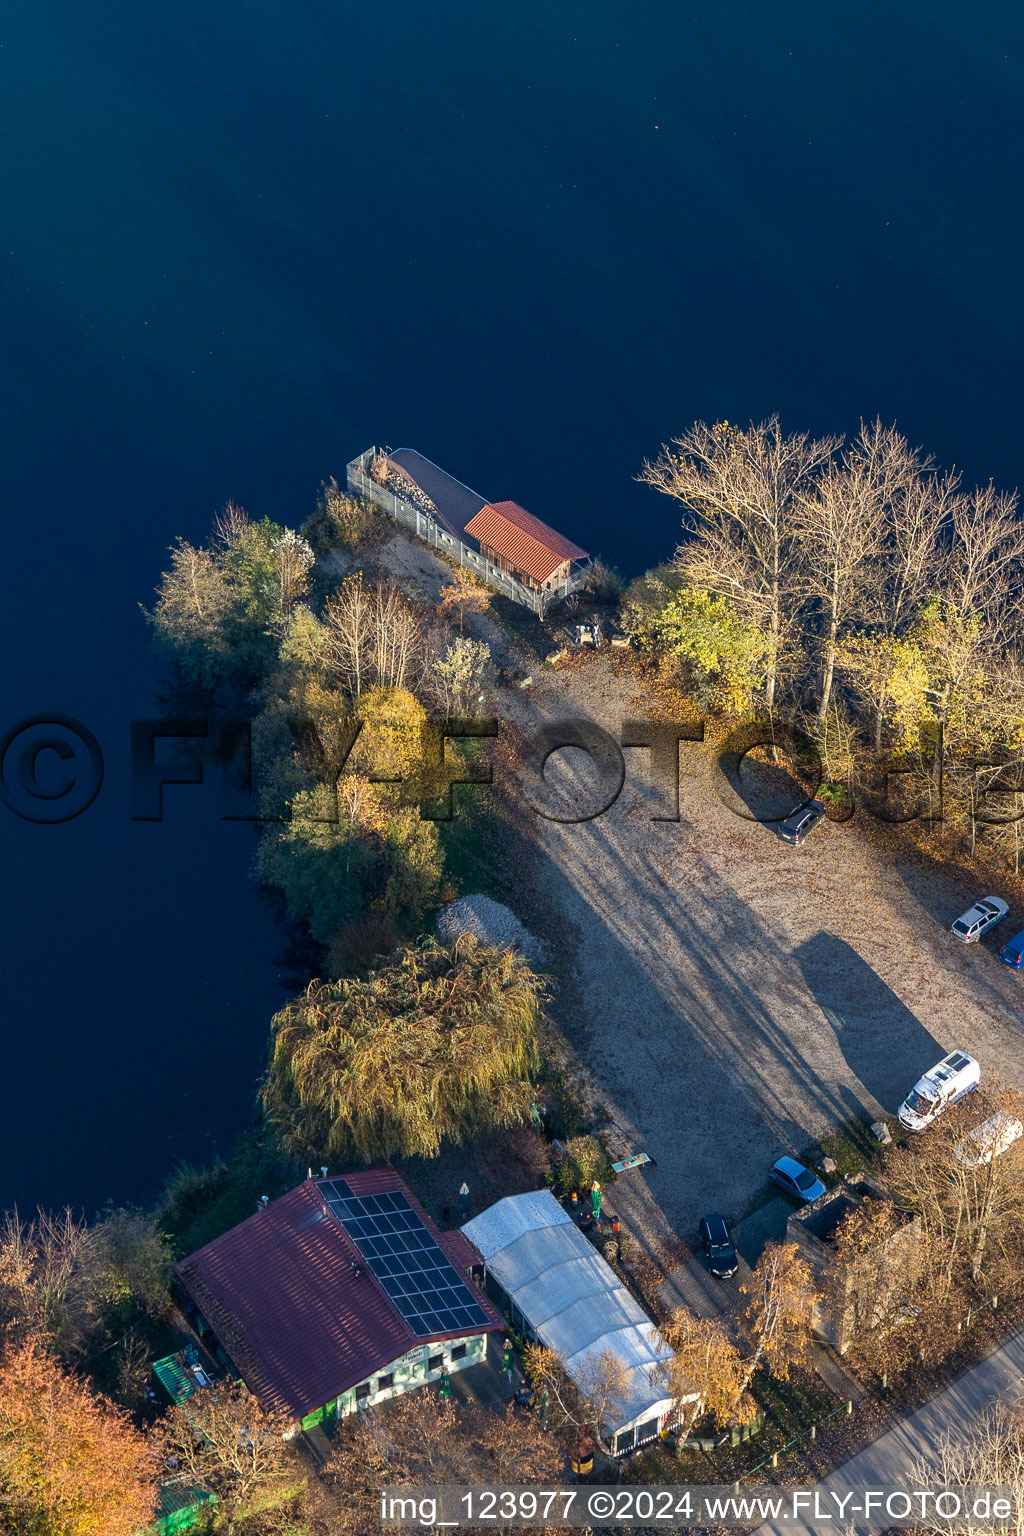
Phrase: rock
(829,1165)
(491,923)
(881,1132)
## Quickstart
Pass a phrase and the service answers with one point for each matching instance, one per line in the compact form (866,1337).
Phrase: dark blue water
(238,243)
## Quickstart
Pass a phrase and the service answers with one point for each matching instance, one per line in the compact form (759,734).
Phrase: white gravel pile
(491,923)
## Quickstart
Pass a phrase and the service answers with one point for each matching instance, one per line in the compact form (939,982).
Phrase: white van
(992,1137)
(955,1075)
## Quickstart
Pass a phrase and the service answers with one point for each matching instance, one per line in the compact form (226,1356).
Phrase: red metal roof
(522,539)
(280,1292)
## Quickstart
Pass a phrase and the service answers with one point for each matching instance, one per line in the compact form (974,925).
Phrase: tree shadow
(883,1043)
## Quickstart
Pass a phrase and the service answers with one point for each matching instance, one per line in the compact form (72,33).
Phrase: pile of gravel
(491,923)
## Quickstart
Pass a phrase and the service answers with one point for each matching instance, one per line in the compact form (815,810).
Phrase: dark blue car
(1012,952)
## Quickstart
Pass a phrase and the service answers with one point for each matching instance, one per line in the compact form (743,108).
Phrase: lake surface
(239,243)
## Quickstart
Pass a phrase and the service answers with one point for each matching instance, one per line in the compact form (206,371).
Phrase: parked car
(981,917)
(801,821)
(796,1180)
(988,1140)
(718,1247)
(947,1083)
(1012,952)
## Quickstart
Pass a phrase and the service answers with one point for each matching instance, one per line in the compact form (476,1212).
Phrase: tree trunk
(830,667)
(775,627)
(985,1218)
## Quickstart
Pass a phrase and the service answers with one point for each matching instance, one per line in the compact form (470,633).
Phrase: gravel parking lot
(738,998)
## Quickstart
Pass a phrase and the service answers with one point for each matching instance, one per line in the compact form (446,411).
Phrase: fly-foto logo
(52,769)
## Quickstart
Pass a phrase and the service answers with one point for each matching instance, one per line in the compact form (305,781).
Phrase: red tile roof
(280,1292)
(522,539)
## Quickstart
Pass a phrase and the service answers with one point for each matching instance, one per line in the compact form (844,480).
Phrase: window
(624,1441)
(385,1383)
(646,1431)
(435,1362)
(362,1392)
(459,1352)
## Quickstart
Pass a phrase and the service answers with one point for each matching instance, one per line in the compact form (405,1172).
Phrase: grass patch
(788,1410)
(855,1148)
(790,1407)
(521,625)
(475,843)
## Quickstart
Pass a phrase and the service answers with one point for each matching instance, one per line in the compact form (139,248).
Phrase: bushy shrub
(352,523)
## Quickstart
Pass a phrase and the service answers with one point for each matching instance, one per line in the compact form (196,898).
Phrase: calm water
(238,243)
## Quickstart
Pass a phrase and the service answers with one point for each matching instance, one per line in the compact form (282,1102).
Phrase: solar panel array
(417,1275)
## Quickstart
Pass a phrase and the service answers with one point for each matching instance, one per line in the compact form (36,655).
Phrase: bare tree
(974,612)
(914,548)
(47,1286)
(839,526)
(987,1453)
(587,1399)
(986,573)
(227,1444)
(374,636)
(349,625)
(972,1212)
(740,489)
(230,526)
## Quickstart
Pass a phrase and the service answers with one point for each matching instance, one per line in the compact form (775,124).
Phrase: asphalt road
(892,1460)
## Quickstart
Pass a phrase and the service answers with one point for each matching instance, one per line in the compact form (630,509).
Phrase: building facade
(338,1296)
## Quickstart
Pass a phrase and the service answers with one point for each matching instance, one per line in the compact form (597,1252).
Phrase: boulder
(880,1131)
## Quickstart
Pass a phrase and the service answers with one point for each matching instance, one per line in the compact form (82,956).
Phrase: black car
(802,820)
(718,1247)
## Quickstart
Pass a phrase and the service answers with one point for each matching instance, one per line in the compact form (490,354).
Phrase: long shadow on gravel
(884,1044)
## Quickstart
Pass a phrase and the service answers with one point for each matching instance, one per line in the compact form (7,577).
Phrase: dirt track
(737,997)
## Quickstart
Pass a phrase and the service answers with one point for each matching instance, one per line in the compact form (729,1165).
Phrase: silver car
(981,917)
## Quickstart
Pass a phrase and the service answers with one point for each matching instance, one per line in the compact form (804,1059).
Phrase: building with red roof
(339,1295)
(519,543)
(499,541)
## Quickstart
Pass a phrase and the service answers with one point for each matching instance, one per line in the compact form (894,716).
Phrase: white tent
(574,1303)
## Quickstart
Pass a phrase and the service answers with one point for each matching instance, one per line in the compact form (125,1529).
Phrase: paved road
(891,1459)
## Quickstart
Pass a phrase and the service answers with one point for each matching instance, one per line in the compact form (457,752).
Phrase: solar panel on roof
(413,1270)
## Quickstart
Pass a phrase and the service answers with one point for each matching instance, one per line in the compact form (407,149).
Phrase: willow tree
(434,1046)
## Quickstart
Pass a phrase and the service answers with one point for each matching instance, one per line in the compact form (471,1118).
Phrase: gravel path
(735,997)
